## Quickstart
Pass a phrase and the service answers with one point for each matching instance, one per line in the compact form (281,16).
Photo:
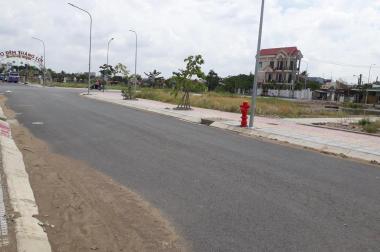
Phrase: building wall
(278,69)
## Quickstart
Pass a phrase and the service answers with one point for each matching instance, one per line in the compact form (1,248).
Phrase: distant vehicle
(2,77)
(13,77)
(97,85)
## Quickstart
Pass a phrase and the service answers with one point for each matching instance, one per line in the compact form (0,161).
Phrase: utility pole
(135,80)
(254,88)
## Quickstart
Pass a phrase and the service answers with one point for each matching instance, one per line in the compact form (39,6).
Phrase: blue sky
(338,38)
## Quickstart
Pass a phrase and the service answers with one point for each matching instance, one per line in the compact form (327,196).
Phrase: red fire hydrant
(244,114)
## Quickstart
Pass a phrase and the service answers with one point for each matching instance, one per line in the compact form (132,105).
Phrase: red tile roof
(274,51)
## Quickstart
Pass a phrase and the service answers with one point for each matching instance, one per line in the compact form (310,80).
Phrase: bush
(127,93)
(364,122)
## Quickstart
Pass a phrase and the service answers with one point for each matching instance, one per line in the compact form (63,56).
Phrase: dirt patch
(84,210)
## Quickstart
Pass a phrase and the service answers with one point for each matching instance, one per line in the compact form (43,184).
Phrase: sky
(339,38)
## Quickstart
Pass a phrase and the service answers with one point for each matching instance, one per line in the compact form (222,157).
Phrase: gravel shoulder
(84,210)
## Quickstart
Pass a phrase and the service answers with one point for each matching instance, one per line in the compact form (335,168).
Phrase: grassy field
(231,103)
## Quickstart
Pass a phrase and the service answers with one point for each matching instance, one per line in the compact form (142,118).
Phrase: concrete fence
(305,94)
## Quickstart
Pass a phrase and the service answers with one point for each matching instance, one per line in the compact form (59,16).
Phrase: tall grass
(231,103)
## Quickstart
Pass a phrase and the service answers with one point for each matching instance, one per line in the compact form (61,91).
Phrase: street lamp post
(89,55)
(44,70)
(108,48)
(254,89)
(135,80)
(369,74)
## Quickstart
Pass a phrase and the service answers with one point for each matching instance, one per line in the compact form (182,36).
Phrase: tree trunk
(185,102)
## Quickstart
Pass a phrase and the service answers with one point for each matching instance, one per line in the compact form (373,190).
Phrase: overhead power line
(342,64)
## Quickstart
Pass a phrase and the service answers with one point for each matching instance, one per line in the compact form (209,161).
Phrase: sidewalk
(293,131)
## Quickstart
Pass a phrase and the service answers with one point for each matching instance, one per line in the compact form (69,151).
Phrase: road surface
(222,191)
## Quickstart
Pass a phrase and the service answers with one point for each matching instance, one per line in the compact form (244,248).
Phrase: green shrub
(364,122)
(127,93)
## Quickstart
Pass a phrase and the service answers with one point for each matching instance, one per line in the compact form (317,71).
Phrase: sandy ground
(84,210)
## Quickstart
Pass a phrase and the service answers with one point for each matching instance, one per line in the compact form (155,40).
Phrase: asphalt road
(222,191)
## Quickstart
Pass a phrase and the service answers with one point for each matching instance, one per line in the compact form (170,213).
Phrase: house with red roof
(279,66)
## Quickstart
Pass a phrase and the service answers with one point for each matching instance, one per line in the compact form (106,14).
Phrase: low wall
(305,94)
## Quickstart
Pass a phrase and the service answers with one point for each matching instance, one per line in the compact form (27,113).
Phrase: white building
(279,65)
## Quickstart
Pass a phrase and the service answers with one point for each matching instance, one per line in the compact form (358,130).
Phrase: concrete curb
(328,149)
(30,236)
(343,152)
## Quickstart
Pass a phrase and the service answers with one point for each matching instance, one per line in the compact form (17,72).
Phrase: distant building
(279,65)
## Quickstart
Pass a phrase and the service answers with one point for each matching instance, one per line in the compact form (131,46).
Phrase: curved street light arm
(44,70)
(89,56)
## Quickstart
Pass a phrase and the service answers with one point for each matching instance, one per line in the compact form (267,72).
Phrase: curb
(327,149)
(30,236)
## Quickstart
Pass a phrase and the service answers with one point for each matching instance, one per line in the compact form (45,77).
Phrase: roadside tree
(107,71)
(123,71)
(184,82)
(213,80)
(154,79)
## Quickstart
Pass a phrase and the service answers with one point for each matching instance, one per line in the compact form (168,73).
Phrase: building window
(279,78)
(272,64)
(281,65)
(260,65)
(289,78)
(291,65)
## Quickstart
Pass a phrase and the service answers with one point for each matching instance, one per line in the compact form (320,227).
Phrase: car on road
(13,77)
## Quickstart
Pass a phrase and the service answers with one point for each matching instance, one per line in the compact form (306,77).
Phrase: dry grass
(231,103)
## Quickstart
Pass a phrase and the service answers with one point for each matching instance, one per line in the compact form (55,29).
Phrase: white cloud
(223,31)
